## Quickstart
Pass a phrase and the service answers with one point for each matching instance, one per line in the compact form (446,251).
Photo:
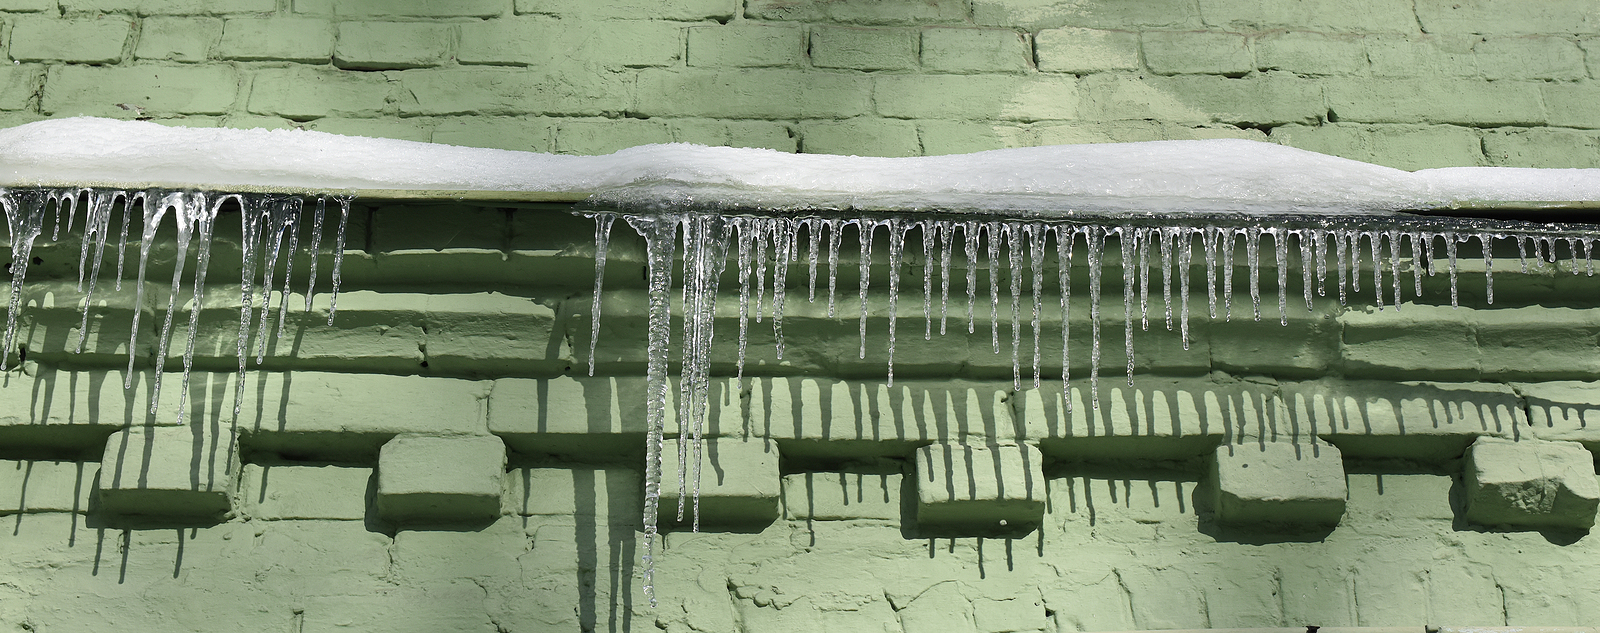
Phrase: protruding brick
(1411,420)
(965,50)
(1198,52)
(833,419)
(287,39)
(389,45)
(177,39)
(424,479)
(746,46)
(1157,418)
(96,40)
(165,472)
(1278,482)
(1080,51)
(611,494)
(864,48)
(286,491)
(739,483)
(979,488)
(1530,483)
(1432,339)
(577,417)
(1563,410)
(842,496)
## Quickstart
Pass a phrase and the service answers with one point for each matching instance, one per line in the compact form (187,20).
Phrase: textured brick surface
(861,137)
(1311,53)
(750,46)
(759,94)
(500,92)
(974,50)
(300,93)
(440,479)
(1076,50)
(45,486)
(171,7)
(290,39)
(420,8)
(123,91)
(1028,98)
(864,49)
(388,45)
(978,489)
(178,39)
(18,85)
(610,494)
(87,40)
(174,472)
(739,482)
(1461,102)
(1277,482)
(1530,483)
(1434,421)
(842,496)
(1197,52)
(888,12)
(681,10)
(286,491)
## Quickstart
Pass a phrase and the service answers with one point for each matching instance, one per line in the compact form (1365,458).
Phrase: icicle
(814,239)
(1355,262)
(1280,247)
(122,242)
(785,233)
(969,236)
(186,207)
(1128,245)
(1014,252)
(1036,237)
(1416,264)
(834,227)
(1572,252)
(153,208)
(1376,239)
(284,219)
(1394,267)
(1229,237)
(204,221)
(1522,253)
(896,250)
(1450,251)
(946,233)
(1252,251)
(1185,257)
(763,234)
(705,239)
(1168,234)
(1303,238)
(1588,257)
(926,229)
(746,237)
(1340,244)
(255,211)
(316,244)
(1488,267)
(1065,235)
(338,254)
(602,243)
(992,247)
(96,224)
(25,220)
(1319,250)
(1095,236)
(659,235)
(1208,241)
(1141,248)
(866,229)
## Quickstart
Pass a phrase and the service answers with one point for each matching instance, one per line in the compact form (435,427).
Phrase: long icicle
(659,234)
(602,243)
(1065,236)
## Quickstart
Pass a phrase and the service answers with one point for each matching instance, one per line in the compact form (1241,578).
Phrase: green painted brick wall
(1408,84)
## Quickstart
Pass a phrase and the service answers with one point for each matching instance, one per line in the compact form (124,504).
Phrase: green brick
(1563,410)
(1351,16)
(287,39)
(1591,51)
(964,137)
(26,6)
(739,483)
(536,40)
(18,84)
(1542,147)
(751,94)
(1530,58)
(762,134)
(1413,56)
(590,419)
(277,492)
(177,39)
(300,93)
(1174,52)
(1278,482)
(1464,102)
(1426,421)
(1049,14)
(553,91)
(86,40)
(744,45)
(883,12)
(842,496)
(346,417)
(680,10)
(1029,98)
(612,494)
(170,7)
(1264,99)
(966,489)
(607,136)
(1508,16)
(168,472)
(863,48)
(1407,147)
(390,45)
(1573,105)
(953,50)
(1188,418)
(1420,342)
(424,479)
(1530,483)
(1082,51)
(149,89)
(45,486)
(1311,53)
(1538,343)
(861,137)
(526,135)
(421,8)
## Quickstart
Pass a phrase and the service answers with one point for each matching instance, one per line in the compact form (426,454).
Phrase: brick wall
(1409,84)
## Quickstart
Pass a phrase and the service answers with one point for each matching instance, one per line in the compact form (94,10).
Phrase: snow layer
(1207,175)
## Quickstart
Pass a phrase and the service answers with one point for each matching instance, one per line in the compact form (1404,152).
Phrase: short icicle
(25,219)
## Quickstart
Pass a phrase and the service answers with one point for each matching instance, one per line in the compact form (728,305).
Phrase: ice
(896,251)
(865,230)
(602,243)
(25,221)
(1128,247)
(1014,275)
(659,233)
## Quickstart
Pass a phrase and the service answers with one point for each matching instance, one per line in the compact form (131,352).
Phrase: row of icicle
(765,247)
(271,228)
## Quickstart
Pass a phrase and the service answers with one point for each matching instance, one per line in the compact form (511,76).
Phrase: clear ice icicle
(1450,252)
(814,243)
(1095,254)
(969,237)
(1229,239)
(926,230)
(1280,247)
(946,233)
(1252,253)
(992,247)
(1128,244)
(338,255)
(1340,242)
(1036,237)
(25,220)
(1488,266)
(1208,242)
(316,245)
(659,235)
(1185,256)
(204,221)
(97,223)
(153,208)
(896,250)
(1014,272)
(866,229)
(184,207)
(1304,239)
(746,237)
(255,210)
(1065,235)
(602,243)
(833,262)
(785,232)
(1141,246)
(1168,234)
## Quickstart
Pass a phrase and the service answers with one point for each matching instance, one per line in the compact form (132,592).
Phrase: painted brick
(954,50)
(1507,16)
(527,135)
(1530,58)
(964,137)
(1356,16)
(403,129)
(1173,52)
(764,134)
(1024,612)
(586,418)
(745,45)
(288,39)
(1278,482)
(1412,420)
(1431,341)
(679,10)
(842,496)
(165,472)
(1591,52)
(1037,14)
(300,93)
(979,489)
(863,48)
(535,41)
(177,39)
(1030,98)
(1311,53)
(609,135)
(886,12)
(26,6)
(434,556)
(751,94)
(1448,101)
(389,45)
(739,483)
(1157,418)
(494,333)
(45,486)
(147,89)
(60,415)
(1259,99)
(1542,147)
(1572,105)
(1307,347)
(18,85)
(276,492)
(861,137)
(425,478)
(170,7)
(831,419)
(87,40)
(1563,411)
(1538,343)
(1082,51)
(1401,146)
(610,493)
(1530,483)
(421,8)
(502,92)
(1411,56)
(347,417)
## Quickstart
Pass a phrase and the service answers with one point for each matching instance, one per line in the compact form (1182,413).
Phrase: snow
(1204,175)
